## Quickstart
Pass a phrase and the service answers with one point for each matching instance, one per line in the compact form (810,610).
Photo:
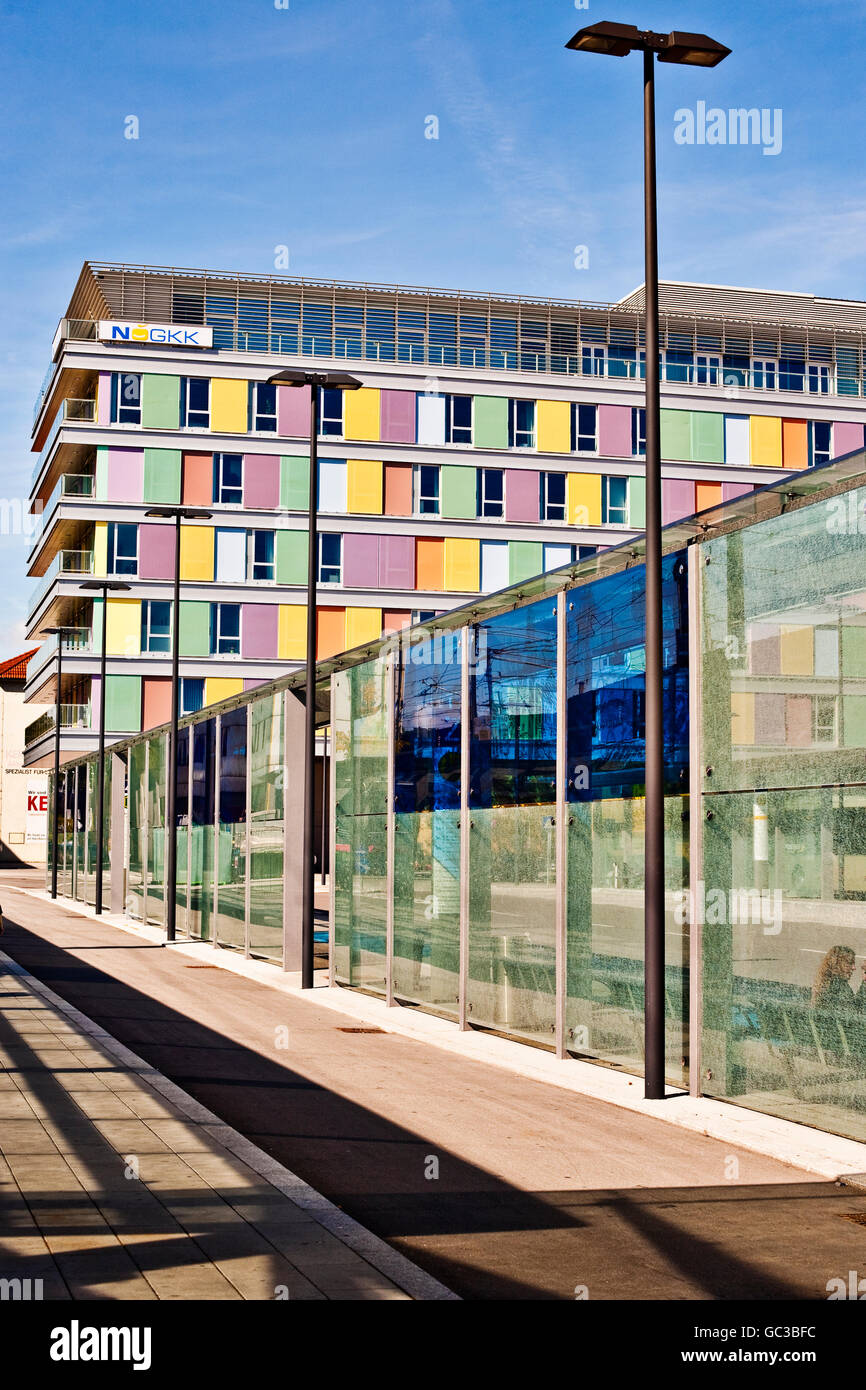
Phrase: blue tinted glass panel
(233,767)
(427,749)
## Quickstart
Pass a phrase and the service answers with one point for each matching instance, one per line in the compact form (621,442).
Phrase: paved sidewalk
(114,1184)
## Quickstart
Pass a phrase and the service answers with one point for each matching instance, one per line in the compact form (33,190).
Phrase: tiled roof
(15,669)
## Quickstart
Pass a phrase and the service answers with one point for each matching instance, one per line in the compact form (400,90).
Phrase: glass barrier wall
(266,827)
(202,834)
(232,830)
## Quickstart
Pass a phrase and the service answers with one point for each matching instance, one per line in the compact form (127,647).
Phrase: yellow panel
(554,427)
(292,638)
(584,499)
(100,548)
(742,716)
(361,417)
(123,633)
(196,552)
(797,646)
(228,406)
(362,625)
(364,486)
(221,687)
(766,441)
(462,562)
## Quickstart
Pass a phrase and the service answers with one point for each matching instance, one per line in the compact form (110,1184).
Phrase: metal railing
(74,641)
(71,717)
(71,410)
(69,485)
(65,562)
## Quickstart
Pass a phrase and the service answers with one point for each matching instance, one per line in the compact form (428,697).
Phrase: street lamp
(55,830)
(177,515)
(104,586)
(332,381)
(695,50)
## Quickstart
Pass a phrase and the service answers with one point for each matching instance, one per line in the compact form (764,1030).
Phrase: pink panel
(614,430)
(678,499)
(397,562)
(398,417)
(360,561)
(846,438)
(262,481)
(521,494)
(769,717)
(798,720)
(732,490)
(103,399)
(293,411)
(156,550)
(125,475)
(250,682)
(259,628)
(765,650)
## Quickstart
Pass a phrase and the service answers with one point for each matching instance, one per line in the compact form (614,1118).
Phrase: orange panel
(708,495)
(394,620)
(157,701)
(429,564)
(795,444)
(398,489)
(330,632)
(198,480)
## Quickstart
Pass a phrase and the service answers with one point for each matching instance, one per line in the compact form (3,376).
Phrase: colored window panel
(637,502)
(156,701)
(742,717)
(160,401)
(853,651)
(123,635)
(197,553)
(125,475)
(847,437)
(738,446)
(398,489)
(795,444)
(231,555)
(229,406)
(295,483)
(394,620)
(494,566)
(123,704)
(522,494)
(362,625)
(429,564)
(396,562)
(364,486)
(707,495)
(261,481)
(458,491)
(156,542)
(218,688)
(362,410)
(292,557)
(491,422)
(555,556)
(330,631)
(462,564)
(854,721)
(615,431)
(197,479)
(766,441)
(431,420)
(676,435)
(292,632)
(678,499)
(100,547)
(525,560)
(797,651)
(707,437)
(293,412)
(162,471)
(194,635)
(360,561)
(332,485)
(554,427)
(584,499)
(259,631)
(398,417)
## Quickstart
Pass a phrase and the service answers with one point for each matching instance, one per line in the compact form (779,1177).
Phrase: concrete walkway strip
(212,1216)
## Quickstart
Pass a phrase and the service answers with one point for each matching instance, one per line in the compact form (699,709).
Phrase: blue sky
(304,127)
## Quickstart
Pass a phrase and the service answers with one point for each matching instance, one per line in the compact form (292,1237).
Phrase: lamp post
(177,515)
(103,586)
(55,829)
(332,381)
(698,50)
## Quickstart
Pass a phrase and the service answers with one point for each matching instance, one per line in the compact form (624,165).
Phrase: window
(614,501)
(521,424)
(331,412)
(491,492)
(593,360)
(553,496)
(817,378)
(225,629)
(820,442)
(155,625)
(458,419)
(195,402)
(228,479)
(638,432)
(426,478)
(263,407)
(191,694)
(584,429)
(260,556)
(824,719)
(708,369)
(586,552)
(423,615)
(126,399)
(330,558)
(764,373)
(122,548)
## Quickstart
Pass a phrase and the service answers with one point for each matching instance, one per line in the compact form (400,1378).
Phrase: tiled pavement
(114,1184)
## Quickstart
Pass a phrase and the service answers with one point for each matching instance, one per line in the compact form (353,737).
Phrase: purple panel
(398,417)
(262,481)
(765,649)
(103,399)
(155,550)
(846,438)
(397,562)
(125,475)
(769,717)
(293,411)
(798,721)
(732,490)
(360,561)
(251,682)
(614,430)
(678,499)
(259,628)
(521,494)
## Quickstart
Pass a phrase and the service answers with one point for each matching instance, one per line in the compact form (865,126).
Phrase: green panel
(459,491)
(160,401)
(123,704)
(676,435)
(294,483)
(427,908)
(291,557)
(853,650)
(637,502)
(266,827)
(96,625)
(136,800)
(156,793)
(194,628)
(525,560)
(490,427)
(707,437)
(854,718)
(100,482)
(784,1012)
(162,476)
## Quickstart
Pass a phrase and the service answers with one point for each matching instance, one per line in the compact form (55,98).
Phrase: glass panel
(427,908)
(182,831)
(137,812)
(106,835)
(266,827)
(155,895)
(232,829)
(784,959)
(201,879)
(88,771)
(80,825)
(49,844)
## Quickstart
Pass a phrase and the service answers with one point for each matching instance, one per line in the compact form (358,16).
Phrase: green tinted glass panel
(292,557)
(162,476)
(266,827)
(294,483)
(160,401)
(427,908)
(458,491)
(156,787)
(137,803)
(490,430)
